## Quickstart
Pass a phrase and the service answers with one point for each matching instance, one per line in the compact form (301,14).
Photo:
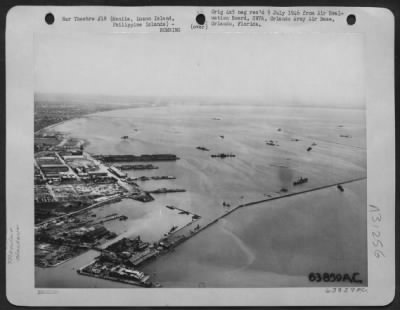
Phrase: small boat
(173,228)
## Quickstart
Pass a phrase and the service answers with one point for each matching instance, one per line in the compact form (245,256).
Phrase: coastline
(215,165)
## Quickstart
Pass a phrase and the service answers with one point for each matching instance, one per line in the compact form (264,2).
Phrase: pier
(143,283)
(166,190)
(233,209)
(135,158)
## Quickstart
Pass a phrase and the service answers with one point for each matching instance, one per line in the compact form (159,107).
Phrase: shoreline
(179,239)
(247,204)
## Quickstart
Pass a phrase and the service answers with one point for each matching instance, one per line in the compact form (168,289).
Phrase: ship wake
(250,256)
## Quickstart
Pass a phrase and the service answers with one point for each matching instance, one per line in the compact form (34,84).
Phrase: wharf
(133,158)
(110,278)
(166,190)
(154,178)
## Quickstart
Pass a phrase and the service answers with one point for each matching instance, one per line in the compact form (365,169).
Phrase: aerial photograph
(191,161)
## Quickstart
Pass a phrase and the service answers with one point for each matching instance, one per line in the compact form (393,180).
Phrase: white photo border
(376,25)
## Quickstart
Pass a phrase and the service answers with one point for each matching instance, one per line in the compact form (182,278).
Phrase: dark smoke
(285,176)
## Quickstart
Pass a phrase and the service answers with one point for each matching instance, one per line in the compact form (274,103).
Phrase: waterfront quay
(122,260)
(70,185)
(119,262)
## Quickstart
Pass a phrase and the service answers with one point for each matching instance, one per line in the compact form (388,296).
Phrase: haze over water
(276,243)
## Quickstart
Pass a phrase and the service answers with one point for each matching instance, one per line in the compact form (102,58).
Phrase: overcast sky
(307,69)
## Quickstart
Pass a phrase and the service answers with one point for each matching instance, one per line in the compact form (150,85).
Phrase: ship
(202,148)
(270,142)
(300,180)
(223,155)
(163,177)
(173,228)
(142,196)
(131,181)
(142,178)
(137,167)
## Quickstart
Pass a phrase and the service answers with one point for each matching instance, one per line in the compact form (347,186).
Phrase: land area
(69,185)
(51,110)
(116,192)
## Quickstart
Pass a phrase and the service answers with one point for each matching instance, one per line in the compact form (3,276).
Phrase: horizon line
(127,99)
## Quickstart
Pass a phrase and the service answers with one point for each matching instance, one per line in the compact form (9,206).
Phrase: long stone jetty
(205,225)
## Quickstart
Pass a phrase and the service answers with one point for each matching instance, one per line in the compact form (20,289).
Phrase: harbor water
(272,244)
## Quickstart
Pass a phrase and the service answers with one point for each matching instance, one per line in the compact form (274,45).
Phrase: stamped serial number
(334,277)
(346,290)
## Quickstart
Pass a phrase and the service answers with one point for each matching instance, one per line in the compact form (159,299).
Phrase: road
(95,205)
